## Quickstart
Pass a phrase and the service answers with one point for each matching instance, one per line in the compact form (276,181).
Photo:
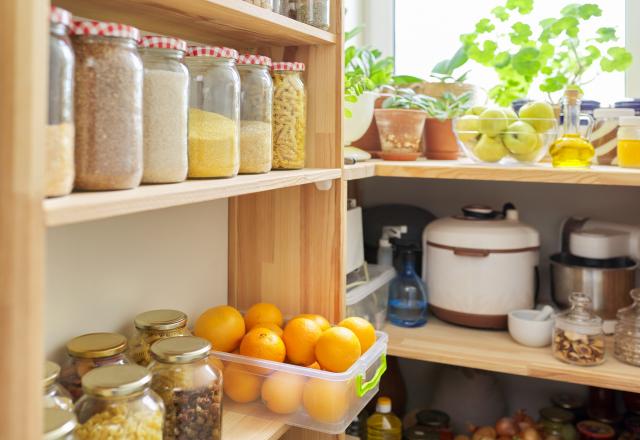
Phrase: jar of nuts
(627,334)
(289,116)
(577,335)
(152,326)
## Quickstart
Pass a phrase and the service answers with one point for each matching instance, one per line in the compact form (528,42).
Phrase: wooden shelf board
(80,207)
(496,351)
(238,426)
(360,170)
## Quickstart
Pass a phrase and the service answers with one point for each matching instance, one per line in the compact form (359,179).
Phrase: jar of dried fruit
(289,116)
(256,108)
(190,386)
(214,112)
(55,396)
(90,351)
(627,333)
(314,12)
(58,424)
(577,335)
(108,106)
(152,326)
(119,404)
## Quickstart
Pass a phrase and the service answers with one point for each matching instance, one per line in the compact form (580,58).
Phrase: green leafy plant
(407,99)
(445,69)
(449,106)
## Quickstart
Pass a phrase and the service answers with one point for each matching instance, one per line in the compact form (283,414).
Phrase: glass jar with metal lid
(434,421)
(119,404)
(190,386)
(152,326)
(557,422)
(59,424)
(627,333)
(90,351)
(314,12)
(289,116)
(572,403)
(55,396)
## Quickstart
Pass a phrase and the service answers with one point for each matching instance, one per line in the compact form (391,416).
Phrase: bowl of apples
(499,135)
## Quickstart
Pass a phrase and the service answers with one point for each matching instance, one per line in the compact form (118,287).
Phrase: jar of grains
(256,107)
(165,107)
(55,396)
(214,112)
(90,351)
(152,326)
(289,116)
(190,386)
(58,424)
(59,138)
(313,12)
(118,404)
(108,106)
(627,333)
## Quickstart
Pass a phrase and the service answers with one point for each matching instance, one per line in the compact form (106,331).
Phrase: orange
(282,392)
(271,326)
(326,401)
(241,385)
(263,313)
(315,366)
(223,326)
(300,337)
(337,349)
(262,343)
(363,329)
(318,319)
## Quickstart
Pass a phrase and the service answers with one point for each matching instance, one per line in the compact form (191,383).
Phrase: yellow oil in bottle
(383,424)
(629,153)
(571,150)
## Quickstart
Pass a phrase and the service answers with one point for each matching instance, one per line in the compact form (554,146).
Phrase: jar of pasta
(289,116)
(314,12)
(152,326)
(55,396)
(214,112)
(190,386)
(119,404)
(255,114)
(58,424)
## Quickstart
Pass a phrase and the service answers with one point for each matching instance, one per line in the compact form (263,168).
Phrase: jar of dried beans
(60,134)
(55,396)
(108,106)
(165,107)
(118,404)
(289,116)
(58,424)
(190,386)
(314,12)
(152,326)
(627,333)
(214,112)
(255,114)
(90,351)
(577,335)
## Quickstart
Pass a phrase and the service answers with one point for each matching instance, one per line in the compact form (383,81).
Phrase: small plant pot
(440,140)
(400,130)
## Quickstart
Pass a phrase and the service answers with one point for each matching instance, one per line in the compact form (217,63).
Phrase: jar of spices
(58,424)
(629,142)
(152,326)
(557,422)
(604,136)
(577,335)
(592,430)
(119,404)
(108,106)
(314,12)
(289,116)
(190,386)
(55,396)
(165,108)
(256,108)
(214,112)
(627,333)
(59,137)
(90,351)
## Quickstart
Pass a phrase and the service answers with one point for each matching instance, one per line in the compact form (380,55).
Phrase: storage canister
(214,112)
(256,107)
(629,142)
(165,107)
(58,424)
(289,116)
(557,423)
(152,326)
(627,333)
(59,140)
(604,136)
(190,386)
(119,404)
(55,396)
(108,106)
(314,12)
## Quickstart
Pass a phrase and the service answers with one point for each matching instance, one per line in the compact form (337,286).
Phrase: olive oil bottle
(384,425)
(571,149)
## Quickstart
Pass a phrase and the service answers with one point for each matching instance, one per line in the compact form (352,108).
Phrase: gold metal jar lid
(116,380)
(160,320)
(58,423)
(180,349)
(97,345)
(51,373)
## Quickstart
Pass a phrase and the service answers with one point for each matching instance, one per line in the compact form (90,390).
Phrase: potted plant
(440,141)
(445,80)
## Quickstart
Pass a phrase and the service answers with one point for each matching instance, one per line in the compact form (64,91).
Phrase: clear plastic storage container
(58,424)
(627,334)
(55,396)
(314,12)
(289,116)
(369,300)
(152,326)
(604,136)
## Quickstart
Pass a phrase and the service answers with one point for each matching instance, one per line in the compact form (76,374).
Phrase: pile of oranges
(306,340)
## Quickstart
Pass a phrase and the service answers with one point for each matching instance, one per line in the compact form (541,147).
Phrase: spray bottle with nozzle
(385,249)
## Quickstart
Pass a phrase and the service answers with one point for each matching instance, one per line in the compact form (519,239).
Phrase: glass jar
(165,108)
(627,333)
(58,424)
(152,326)
(629,142)
(59,137)
(190,386)
(267,4)
(314,12)
(55,396)
(572,403)
(90,351)
(558,423)
(256,108)
(604,136)
(289,116)
(108,106)
(592,430)
(434,421)
(119,404)
(214,112)
(577,335)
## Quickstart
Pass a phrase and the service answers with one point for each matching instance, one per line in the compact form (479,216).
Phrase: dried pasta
(289,121)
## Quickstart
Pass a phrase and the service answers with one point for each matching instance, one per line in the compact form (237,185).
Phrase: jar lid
(212,51)
(594,429)
(58,423)
(603,113)
(581,311)
(284,66)
(97,345)
(259,60)
(557,415)
(567,401)
(104,29)
(180,349)
(630,121)
(160,320)
(632,104)
(161,42)
(51,373)
(60,16)
(433,418)
(116,380)
(631,314)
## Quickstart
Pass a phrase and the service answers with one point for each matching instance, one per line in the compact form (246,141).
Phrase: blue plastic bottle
(407,295)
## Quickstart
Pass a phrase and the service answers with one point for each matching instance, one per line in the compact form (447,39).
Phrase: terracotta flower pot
(400,130)
(440,141)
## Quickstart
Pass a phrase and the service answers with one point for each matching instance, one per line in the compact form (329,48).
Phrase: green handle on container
(364,388)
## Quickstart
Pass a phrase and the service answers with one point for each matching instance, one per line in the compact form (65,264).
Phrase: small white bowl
(524,330)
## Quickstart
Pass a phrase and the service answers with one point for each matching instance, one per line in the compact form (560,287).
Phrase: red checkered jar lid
(104,29)
(160,42)
(212,51)
(290,67)
(60,16)
(258,60)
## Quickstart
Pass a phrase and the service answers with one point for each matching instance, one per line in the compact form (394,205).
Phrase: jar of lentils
(58,424)
(55,396)
(152,326)
(289,116)
(108,106)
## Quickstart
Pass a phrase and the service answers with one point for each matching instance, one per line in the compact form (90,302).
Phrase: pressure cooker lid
(610,263)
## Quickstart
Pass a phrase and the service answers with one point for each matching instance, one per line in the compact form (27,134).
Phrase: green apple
(511,115)
(475,110)
(520,138)
(490,149)
(539,115)
(531,157)
(493,121)
(467,128)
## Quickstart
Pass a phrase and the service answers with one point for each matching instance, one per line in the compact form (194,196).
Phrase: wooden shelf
(238,426)
(359,170)
(232,22)
(81,207)
(496,351)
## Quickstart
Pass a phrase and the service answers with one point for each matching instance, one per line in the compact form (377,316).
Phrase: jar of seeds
(289,116)
(152,326)
(58,424)
(314,12)
(627,333)
(55,396)
(577,335)
(190,386)
(108,106)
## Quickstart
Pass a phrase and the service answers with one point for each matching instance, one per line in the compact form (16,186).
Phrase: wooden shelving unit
(239,426)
